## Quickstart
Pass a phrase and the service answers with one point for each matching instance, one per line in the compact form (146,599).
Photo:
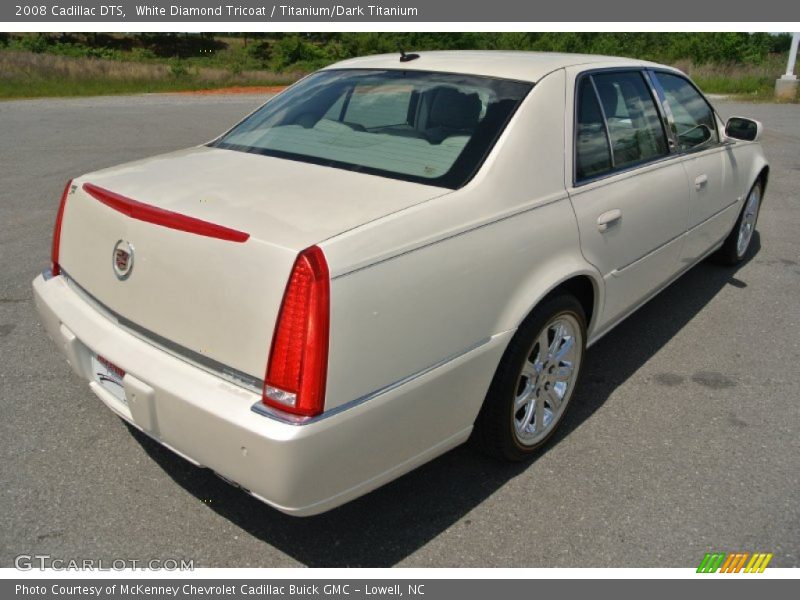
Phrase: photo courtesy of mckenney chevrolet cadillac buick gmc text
(396,254)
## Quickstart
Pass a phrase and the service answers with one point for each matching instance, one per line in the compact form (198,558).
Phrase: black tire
(495,430)
(729,253)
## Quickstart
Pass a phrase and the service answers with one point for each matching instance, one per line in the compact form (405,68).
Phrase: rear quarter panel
(432,282)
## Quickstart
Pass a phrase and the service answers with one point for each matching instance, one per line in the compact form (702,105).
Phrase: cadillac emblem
(122,259)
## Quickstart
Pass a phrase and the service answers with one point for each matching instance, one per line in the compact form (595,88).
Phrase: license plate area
(109,377)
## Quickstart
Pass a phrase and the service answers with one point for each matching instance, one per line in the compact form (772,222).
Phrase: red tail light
(55,268)
(298,361)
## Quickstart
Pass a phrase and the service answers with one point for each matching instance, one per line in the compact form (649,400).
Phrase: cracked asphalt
(683,438)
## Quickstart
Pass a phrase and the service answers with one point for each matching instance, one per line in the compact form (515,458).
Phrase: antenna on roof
(407,57)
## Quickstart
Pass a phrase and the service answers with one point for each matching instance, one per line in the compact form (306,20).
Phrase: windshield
(432,128)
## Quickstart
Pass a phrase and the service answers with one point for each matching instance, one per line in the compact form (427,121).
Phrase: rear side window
(690,111)
(592,156)
(634,125)
(617,124)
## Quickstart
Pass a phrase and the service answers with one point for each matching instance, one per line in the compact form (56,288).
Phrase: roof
(522,66)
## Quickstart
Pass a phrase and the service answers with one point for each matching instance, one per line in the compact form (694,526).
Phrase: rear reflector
(298,361)
(55,268)
(165,218)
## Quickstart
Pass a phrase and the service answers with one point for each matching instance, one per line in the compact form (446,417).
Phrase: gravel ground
(683,438)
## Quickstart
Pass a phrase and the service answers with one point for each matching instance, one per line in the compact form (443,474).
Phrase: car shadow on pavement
(387,525)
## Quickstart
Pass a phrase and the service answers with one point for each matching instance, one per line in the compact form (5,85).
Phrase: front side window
(433,128)
(694,120)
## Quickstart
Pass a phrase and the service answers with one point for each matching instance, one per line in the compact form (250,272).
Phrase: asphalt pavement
(682,440)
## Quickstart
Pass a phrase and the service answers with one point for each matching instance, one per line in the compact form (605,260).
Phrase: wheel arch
(763,176)
(582,282)
(758,168)
(583,288)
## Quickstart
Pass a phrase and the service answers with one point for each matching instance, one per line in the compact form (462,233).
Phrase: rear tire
(534,381)
(735,247)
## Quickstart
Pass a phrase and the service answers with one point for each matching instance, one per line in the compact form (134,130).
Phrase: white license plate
(109,376)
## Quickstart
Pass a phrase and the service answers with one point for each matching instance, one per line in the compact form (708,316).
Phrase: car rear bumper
(301,469)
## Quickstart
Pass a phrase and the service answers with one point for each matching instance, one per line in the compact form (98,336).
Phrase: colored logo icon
(734,562)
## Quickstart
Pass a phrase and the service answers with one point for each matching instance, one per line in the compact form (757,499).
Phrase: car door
(629,194)
(709,163)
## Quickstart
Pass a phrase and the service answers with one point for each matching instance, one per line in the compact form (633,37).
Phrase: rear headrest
(452,109)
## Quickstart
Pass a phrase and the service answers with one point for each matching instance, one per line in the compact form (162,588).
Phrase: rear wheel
(736,245)
(535,380)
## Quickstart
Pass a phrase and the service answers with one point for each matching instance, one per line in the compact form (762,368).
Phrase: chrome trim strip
(597,336)
(649,253)
(271,413)
(605,123)
(716,214)
(688,231)
(214,367)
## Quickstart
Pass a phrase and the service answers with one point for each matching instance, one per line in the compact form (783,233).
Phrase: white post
(786,86)
(792,57)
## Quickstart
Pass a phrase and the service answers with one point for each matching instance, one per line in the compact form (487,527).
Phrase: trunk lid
(212,298)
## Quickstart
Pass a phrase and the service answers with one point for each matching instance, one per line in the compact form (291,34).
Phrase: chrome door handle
(700,181)
(608,218)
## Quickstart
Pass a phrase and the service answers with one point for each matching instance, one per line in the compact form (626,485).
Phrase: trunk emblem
(122,259)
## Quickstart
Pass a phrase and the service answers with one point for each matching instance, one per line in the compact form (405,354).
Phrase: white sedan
(395,255)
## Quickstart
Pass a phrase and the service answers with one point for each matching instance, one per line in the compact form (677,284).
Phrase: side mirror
(747,130)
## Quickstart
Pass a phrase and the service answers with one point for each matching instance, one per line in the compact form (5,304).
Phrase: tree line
(308,51)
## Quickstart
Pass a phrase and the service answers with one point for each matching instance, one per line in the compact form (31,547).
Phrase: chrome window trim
(664,112)
(605,127)
(622,171)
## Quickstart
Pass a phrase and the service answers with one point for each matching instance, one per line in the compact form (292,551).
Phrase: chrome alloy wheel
(547,380)
(748,224)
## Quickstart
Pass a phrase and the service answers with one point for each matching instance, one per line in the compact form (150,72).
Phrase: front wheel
(736,245)
(535,380)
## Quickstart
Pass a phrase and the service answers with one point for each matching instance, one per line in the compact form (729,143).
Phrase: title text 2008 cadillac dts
(394,255)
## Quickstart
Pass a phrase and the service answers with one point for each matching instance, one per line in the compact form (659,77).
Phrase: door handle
(700,181)
(608,218)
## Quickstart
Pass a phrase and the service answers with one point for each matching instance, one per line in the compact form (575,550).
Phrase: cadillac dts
(393,256)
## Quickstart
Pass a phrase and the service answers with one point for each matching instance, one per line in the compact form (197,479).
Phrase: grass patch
(719,84)
(31,75)
(753,82)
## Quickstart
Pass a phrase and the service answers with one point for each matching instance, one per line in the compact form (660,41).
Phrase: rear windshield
(433,128)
